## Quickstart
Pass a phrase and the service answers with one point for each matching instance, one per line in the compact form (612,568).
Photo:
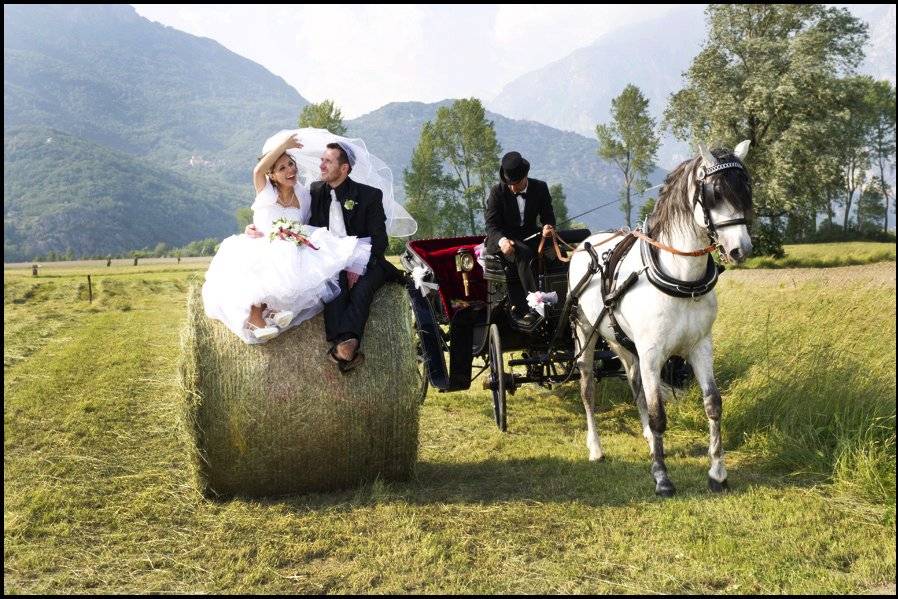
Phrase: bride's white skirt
(250,271)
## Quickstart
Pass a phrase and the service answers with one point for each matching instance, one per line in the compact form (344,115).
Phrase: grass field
(827,255)
(99,498)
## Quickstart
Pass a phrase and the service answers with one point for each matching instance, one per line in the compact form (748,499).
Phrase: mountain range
(121,133)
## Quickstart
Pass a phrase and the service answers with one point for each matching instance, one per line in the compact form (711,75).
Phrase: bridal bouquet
(290,230)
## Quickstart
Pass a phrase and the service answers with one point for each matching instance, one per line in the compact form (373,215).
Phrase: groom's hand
(252,231)
(507,246)
(351,278)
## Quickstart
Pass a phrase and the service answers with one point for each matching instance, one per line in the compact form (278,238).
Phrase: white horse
(704,199)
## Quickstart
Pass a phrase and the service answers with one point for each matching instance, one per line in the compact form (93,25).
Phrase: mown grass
(827,255)
(99,496)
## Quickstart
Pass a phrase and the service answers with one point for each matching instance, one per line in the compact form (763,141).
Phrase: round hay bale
(279,418)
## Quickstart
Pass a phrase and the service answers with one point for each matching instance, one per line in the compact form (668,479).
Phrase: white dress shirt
(336,225)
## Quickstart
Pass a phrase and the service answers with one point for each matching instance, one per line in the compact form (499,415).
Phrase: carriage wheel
(497,378)
(423,376)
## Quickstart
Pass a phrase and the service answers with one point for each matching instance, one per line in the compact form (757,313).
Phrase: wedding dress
(249,271)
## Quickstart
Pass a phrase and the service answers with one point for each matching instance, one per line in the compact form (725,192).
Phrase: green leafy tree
(646,209)
(869,207)
(466,142)
(881,99)
(244,217)
(559,206)
(766,74)
(429,192)
(324,115)
(630,142)
(161,249)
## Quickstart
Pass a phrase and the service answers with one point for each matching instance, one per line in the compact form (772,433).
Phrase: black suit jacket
(366,219)
(504,220)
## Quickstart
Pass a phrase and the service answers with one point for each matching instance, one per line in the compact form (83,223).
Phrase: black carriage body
(449,321)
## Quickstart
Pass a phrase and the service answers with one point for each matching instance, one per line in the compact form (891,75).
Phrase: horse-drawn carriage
(650,306)
(462,301)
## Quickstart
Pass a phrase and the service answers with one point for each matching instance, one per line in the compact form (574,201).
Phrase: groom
(349,208)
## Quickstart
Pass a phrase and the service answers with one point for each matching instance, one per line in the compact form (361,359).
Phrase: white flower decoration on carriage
(418,274)
(538,300)
(479,251)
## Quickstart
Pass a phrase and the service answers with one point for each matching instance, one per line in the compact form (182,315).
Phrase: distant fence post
(135,260)
(90,291)
(108,261)
(34,270)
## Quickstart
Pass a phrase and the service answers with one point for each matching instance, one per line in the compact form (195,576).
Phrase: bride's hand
(293,142)
(252,231)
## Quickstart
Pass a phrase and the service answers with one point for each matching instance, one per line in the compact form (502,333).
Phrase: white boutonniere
(349,204)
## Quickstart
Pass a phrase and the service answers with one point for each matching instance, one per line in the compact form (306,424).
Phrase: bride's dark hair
(271,170)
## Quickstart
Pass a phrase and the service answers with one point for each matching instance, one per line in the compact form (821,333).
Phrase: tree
(766,74)
(323,115)
(855,122)
(244,217)
(869,207)
(646,209)
(161,249)
(559,206)
(881,99)
(429,192)
(466,142)
(630,141)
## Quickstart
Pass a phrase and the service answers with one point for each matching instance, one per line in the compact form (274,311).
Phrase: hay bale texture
(279,418)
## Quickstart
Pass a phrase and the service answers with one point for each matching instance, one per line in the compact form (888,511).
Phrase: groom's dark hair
(344,158)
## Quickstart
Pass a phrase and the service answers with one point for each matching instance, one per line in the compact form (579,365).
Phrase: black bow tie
(523,194)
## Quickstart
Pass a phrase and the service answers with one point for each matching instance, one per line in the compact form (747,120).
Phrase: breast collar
(675,287)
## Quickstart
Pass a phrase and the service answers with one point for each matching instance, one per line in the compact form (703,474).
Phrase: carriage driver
(511,217)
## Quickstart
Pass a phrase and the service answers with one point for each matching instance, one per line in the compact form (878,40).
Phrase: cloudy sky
(366,56)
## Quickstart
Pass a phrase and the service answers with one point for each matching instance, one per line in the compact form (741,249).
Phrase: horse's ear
(707,157)
(741,150)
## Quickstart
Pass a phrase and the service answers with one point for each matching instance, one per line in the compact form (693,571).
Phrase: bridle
(705,195)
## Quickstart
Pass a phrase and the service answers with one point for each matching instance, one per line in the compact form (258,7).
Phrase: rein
(667,248)
(555,239)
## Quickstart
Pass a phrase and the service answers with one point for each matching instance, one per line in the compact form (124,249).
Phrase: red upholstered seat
(439,255)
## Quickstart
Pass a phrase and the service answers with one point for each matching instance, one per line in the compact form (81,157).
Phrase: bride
(267,280)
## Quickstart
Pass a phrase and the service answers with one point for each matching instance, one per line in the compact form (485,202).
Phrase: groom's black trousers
(346,316)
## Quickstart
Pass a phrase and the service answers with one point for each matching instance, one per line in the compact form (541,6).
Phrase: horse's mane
(674,207)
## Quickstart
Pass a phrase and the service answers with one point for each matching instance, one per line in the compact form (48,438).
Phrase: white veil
(367,169)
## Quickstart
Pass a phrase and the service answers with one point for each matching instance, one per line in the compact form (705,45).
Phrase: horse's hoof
(665,488)
(597,458)
(718,487)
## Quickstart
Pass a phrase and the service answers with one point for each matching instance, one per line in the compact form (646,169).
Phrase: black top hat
(514,167)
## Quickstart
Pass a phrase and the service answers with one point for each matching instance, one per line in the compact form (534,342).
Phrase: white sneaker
(279,319)
(263,333)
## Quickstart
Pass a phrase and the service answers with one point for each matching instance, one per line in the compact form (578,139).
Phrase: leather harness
(611,260)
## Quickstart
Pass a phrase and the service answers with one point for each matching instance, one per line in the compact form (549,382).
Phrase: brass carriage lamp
(464,263)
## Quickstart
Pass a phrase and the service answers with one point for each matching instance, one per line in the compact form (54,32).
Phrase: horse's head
(722,203)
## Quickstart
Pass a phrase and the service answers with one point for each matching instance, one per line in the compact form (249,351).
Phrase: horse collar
(675,287)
